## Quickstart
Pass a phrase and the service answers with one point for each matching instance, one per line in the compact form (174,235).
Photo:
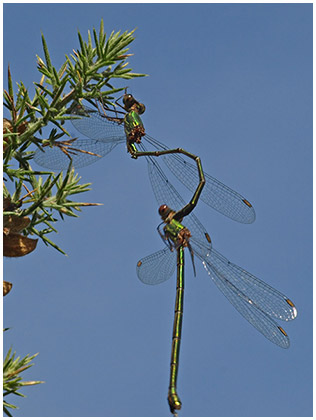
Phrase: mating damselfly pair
(259,303)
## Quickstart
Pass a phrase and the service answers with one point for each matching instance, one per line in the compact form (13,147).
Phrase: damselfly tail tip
(174,404)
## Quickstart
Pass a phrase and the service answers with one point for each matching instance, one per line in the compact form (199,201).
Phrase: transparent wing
(82,153)
(165,193)
(256,301)
(215,194)
(97,126)
(158,267)
(268,299)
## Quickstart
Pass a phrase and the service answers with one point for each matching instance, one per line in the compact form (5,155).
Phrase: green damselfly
(256,301)
(105,133)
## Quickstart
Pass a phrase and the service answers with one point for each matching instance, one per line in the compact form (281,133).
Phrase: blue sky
(232,84)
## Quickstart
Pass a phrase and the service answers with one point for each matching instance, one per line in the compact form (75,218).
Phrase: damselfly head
(130,102)
(164,211)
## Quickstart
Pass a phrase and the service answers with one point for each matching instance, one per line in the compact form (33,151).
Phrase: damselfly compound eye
(141,108)
(128,101)
(163,210)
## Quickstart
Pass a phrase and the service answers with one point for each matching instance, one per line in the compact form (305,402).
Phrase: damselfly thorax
(177,233)
(134,128)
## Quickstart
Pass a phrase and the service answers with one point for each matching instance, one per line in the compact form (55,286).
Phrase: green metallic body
(132,120)
(134,130)
(172,230)
(173,399)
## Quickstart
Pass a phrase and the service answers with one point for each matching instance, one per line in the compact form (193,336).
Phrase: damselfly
(106,132)
(260,304)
